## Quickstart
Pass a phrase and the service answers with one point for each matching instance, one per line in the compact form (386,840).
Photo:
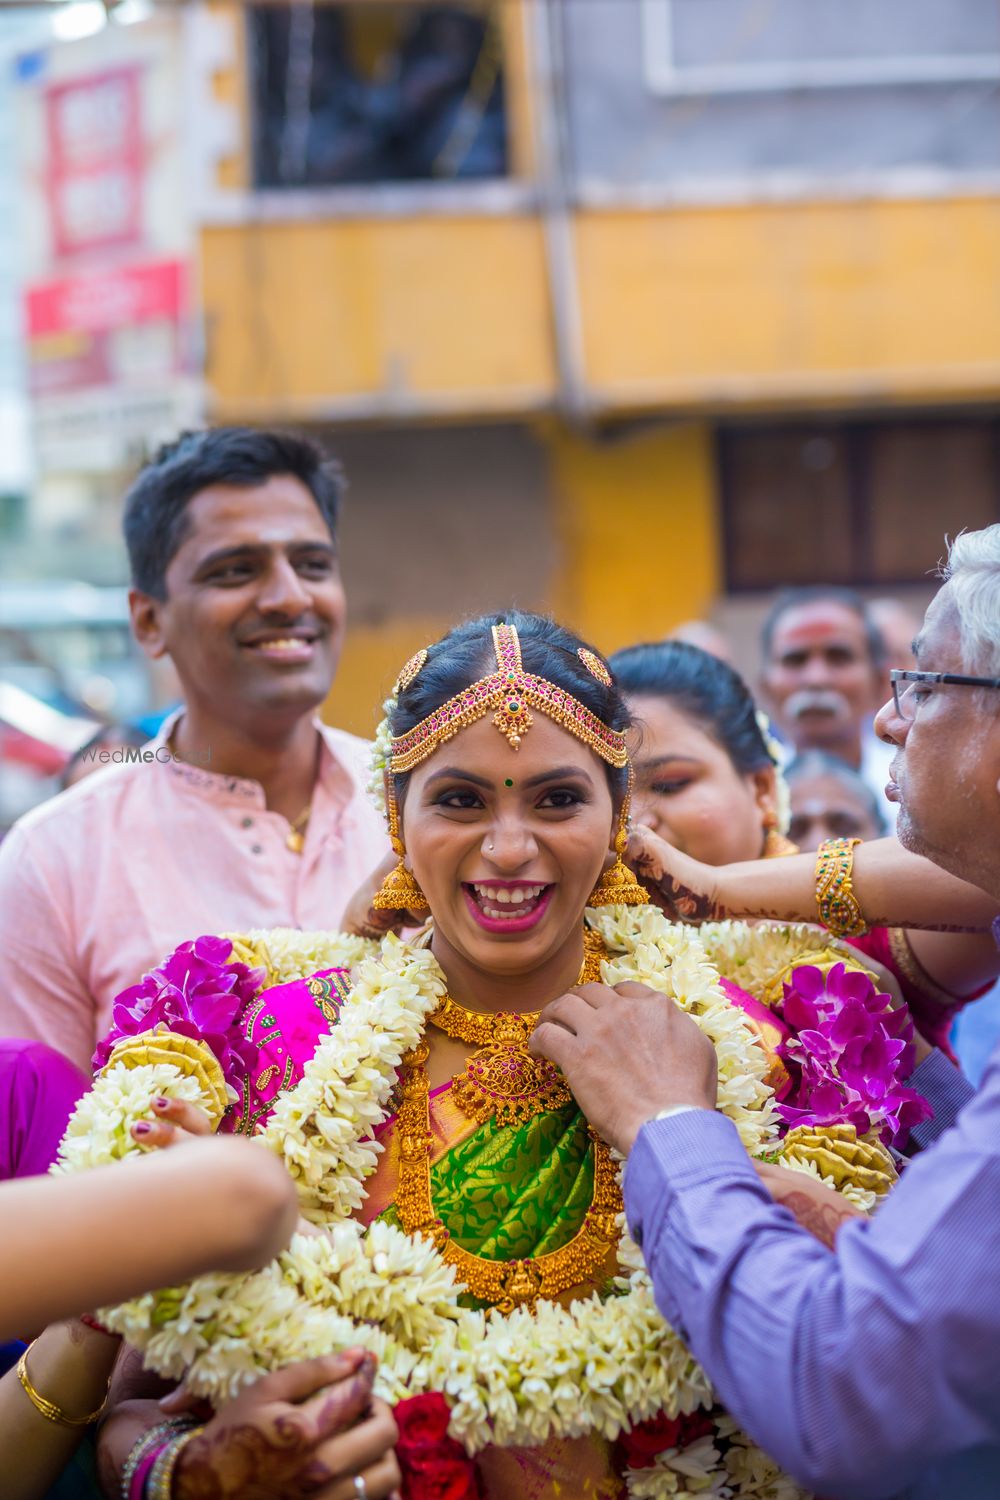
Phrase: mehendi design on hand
(822,1220)
(678,901)
(275,1459)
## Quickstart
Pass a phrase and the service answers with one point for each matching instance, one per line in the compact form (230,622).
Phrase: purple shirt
(865,1371)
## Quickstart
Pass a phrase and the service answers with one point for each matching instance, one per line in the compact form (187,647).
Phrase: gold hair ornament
(410,671)
(510,692)
(594,665)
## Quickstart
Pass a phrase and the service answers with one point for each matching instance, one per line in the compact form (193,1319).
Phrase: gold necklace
(501,1283)
(502,1078)
(295,838)
(505,1284)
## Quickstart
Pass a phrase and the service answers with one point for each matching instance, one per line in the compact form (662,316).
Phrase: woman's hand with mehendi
(305,1431)
(685,889)
(816,1208)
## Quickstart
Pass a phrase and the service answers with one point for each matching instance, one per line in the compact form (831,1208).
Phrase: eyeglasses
(907,698)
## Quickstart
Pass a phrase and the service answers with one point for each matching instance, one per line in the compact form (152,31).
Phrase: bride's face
(507,845)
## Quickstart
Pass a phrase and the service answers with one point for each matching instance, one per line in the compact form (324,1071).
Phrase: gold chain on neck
(295,838)
(502,1078)
(501,1283)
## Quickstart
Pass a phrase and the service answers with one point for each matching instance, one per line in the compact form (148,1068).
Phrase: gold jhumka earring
(776,846)
(618,886)
(399,890)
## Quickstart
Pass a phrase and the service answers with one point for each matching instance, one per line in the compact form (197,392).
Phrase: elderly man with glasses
(864,1356)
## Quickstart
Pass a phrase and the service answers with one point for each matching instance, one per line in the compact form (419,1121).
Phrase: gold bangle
(46,1408)
(836,902)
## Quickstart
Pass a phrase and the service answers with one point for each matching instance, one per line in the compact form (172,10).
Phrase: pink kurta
(101,883)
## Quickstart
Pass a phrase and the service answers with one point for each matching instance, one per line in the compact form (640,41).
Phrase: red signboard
(125,324)
(99,301)
(96,161)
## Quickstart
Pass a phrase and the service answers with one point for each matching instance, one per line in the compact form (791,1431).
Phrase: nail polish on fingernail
(141,1127)
(160,1103)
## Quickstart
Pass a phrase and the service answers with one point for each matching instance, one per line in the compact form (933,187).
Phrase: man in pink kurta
(104,881)
(246,811)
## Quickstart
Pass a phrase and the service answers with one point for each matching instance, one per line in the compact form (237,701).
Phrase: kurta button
(246,823)
(256,849)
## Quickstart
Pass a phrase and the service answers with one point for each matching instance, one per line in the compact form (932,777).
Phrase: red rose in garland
(434,1466)
(648,1439)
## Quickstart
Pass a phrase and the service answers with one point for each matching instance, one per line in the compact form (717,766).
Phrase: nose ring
(490,847)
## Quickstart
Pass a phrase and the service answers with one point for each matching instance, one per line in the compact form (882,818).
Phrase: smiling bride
(470,1221)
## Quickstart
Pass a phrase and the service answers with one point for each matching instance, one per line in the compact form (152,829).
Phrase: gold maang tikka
(510,692)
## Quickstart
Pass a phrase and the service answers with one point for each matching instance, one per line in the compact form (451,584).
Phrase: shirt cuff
(946,1089)
(697,1146)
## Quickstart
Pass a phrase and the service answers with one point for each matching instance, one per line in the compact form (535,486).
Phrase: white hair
(972,573)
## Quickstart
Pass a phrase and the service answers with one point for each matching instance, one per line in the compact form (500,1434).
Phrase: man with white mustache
(861,1353)
(822,679)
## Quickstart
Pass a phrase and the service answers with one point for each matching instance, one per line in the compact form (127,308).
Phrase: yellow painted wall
(423,315)
(765,305)
(798,303)
(369,664)
(637,515)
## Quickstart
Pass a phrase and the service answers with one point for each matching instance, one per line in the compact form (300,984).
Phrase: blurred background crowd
(643,312)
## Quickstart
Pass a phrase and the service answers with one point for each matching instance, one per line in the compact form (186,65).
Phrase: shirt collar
(334,781)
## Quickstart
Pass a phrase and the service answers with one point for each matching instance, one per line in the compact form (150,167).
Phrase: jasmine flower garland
(755,955)
(514,1380)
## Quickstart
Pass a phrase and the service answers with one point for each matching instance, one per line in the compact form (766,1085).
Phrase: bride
(514,1324)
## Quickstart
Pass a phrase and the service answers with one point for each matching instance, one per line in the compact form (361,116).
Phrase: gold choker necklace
(502,1078)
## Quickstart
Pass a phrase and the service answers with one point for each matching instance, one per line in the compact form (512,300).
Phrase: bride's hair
(466,654)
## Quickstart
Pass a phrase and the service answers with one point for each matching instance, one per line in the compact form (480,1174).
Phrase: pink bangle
(144,1454)
(137,1488)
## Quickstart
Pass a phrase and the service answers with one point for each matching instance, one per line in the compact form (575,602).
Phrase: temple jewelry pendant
(503,1079)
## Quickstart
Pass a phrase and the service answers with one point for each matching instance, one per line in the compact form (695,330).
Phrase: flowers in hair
(381,754)
(782,795)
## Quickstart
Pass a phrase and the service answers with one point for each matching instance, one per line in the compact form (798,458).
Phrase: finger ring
(360,1488)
